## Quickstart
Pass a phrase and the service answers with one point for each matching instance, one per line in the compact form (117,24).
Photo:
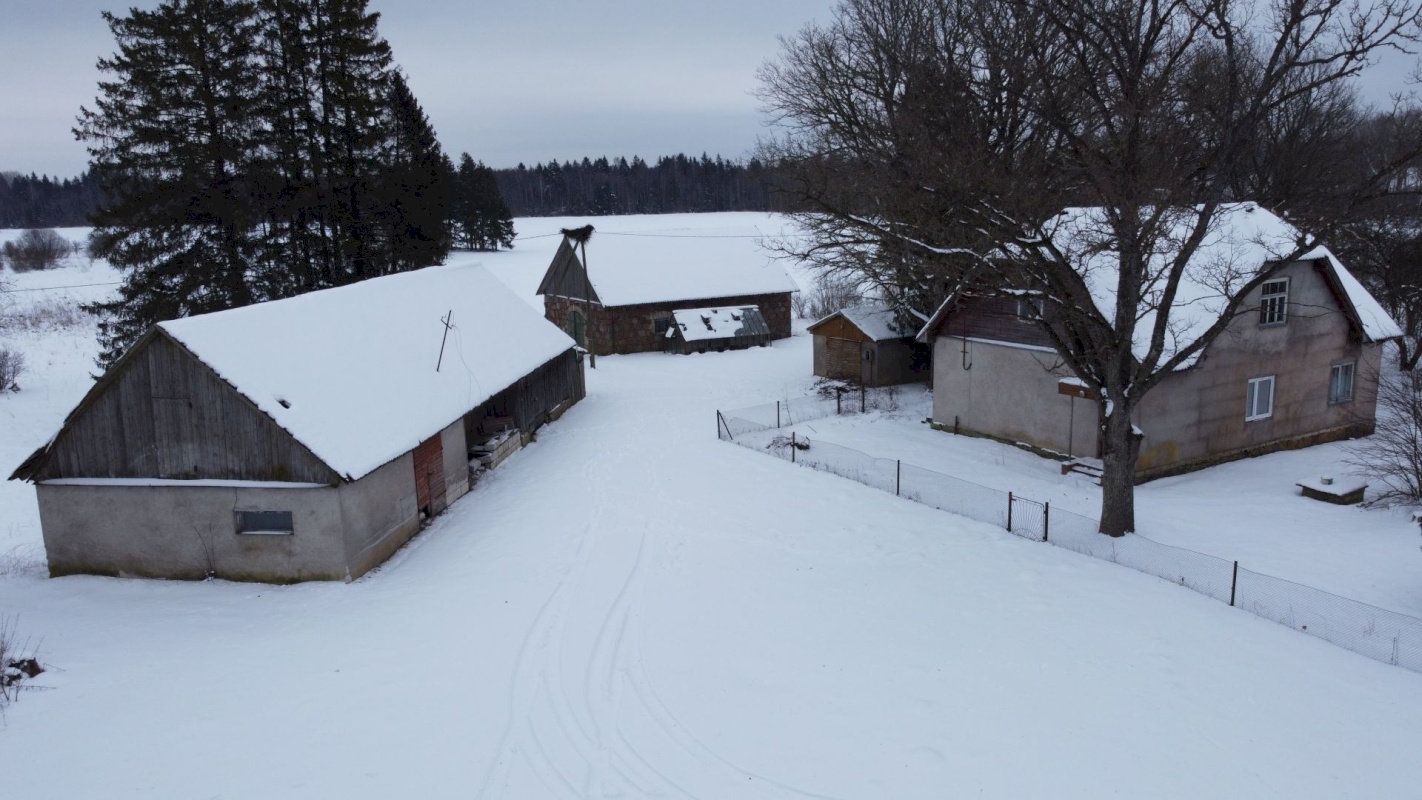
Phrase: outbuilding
(867,344)
(298,439)
(620,292)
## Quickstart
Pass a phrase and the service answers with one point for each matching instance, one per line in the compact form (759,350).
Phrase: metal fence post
(1009,512)
(777,413)
(792,447)
(1046,520)
(1233,582)
(862,391)
(837,397)
(898,476)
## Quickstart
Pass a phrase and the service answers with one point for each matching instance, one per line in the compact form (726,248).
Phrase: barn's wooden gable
(837,327)
(566,276)
(162,413)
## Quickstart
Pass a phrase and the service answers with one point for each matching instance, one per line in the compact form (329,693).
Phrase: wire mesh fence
(1380,634)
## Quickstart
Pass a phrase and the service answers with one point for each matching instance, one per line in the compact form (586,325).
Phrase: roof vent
(283,402)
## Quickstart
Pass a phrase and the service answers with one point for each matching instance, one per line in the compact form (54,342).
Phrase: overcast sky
(505,80)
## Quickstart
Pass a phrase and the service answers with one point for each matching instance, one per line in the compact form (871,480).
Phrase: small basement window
(660,325)
(1340,383)
(1274,302)
(272,523)
(1260,404)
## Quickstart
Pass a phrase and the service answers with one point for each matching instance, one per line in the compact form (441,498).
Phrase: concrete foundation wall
(1010,393)
(189,532)
(456,461)
(381,513)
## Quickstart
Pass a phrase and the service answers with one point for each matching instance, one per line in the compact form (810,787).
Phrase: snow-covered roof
(700,324)
(877,321)
(1243,238)
(686,264)
(350,372)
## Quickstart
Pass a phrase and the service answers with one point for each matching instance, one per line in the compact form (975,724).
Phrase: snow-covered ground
(1250,510)
(631,608)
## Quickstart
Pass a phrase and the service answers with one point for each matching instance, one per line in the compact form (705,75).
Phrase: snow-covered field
(631,608)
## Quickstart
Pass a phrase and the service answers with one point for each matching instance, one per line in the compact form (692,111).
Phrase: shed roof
(877,321)
(678,264)
(703,324)
(349,372)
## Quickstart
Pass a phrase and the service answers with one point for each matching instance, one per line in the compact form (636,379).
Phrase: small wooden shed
(866,344)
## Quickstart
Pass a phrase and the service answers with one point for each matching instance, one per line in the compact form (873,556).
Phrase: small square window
(1274,302)
(1029,307)
(1340,383)
(661,324)
(1260,403)
(276,523)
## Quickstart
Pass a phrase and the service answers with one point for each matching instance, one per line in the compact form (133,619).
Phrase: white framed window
(1274,302)
(1260,404)
(1029,307)
(278,523)
(1340,383)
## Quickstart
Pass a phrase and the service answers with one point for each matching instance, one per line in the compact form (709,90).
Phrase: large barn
(300,439)
(621,292)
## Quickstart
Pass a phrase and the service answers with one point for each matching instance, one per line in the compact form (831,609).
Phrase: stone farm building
(867,344)
(1298,367)
(624,298)
(299,439)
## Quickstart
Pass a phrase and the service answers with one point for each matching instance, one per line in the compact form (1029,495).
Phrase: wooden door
(842,359)
(429,476)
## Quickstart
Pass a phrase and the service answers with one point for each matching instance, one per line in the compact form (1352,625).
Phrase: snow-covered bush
(18,661)
(1392,456)
(37,249)
(12,364)
(829,294)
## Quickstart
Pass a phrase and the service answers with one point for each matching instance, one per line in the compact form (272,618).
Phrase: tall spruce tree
(171,138)
(414,189)
(480,216)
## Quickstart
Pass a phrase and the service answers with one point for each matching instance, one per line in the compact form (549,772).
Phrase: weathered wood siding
(566,276)
(166,415)
(530,400)
(633,329)
(993,318)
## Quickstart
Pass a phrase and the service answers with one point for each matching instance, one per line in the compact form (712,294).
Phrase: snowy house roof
(349,372)
(666,266)
(877,321)
(1242,239)
(702,324)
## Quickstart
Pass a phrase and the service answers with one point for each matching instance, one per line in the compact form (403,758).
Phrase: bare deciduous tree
(937,143)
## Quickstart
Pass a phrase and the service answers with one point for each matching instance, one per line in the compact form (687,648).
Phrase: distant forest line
(592,187)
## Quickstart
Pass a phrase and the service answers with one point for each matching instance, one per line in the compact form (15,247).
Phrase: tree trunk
(1120,447)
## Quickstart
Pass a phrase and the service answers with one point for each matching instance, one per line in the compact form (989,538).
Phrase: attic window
(1274,302)
(272,523)
(1029,307)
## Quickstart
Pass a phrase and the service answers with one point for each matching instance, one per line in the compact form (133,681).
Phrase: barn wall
(185,532)
(380,514)
(456,461)
(532,398)
(993,318)
(632,329)
(166,415)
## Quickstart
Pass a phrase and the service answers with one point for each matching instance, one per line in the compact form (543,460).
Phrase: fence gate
(1027,518)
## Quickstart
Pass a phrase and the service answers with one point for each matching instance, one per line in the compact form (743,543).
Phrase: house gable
(162,413)
(566,276)
(837,327)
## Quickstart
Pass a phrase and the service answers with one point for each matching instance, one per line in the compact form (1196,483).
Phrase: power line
(53,288)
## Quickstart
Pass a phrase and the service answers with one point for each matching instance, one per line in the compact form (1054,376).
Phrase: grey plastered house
(620,292)
(299,439)
(1299,366)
